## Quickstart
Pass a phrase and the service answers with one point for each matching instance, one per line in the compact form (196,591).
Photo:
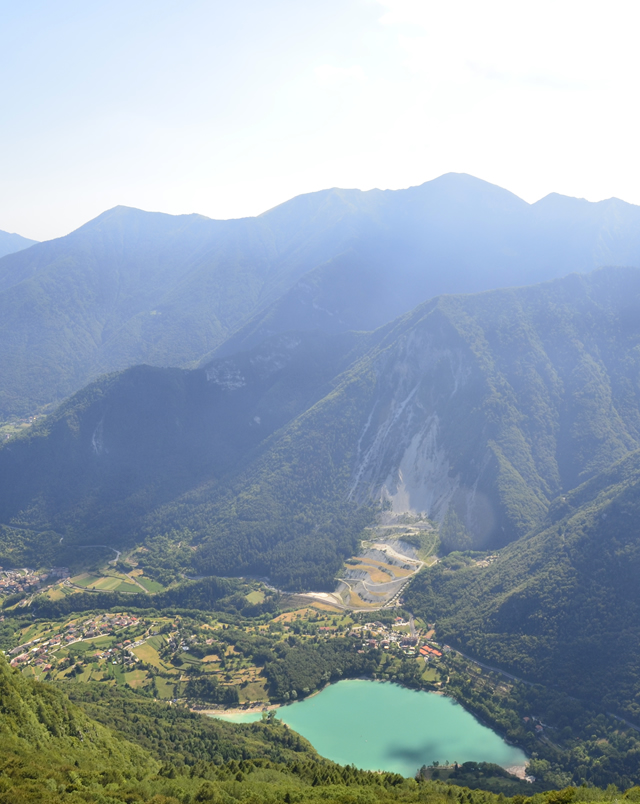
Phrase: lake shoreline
(254,710)
(518,770)
(387,726)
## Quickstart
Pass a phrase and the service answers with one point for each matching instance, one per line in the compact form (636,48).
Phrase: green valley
(447,502)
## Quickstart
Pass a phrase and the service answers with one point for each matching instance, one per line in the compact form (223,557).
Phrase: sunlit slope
(561,606)
(52,752)
(50,748)
(478,410)
(138,287)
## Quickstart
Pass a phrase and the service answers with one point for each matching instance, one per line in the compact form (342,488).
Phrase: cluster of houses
(103,625)
(36,655)
(112,654)
(25,580)
(396,637)
(20,580)
(38,651)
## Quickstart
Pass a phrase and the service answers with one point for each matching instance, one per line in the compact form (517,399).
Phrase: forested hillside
(52,751)
(562,605)
(138,287)
(40,729)
(477,410)
(120,456)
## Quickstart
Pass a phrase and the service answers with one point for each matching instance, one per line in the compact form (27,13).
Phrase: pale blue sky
(230,108)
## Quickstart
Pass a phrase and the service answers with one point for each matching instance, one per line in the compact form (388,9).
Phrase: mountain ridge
(139,287)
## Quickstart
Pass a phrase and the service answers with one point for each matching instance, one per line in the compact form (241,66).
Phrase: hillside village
(25,580)
(38,652)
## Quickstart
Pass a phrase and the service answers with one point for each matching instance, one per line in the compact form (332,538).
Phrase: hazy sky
(228,109)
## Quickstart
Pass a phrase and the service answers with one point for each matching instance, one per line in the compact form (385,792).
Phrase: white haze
(229,109)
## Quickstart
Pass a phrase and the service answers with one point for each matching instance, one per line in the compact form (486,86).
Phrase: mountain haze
(478,410)
(455,234)
(10,243)
(137,287)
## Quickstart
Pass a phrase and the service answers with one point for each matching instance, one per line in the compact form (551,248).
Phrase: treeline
(209,690)
(485,775)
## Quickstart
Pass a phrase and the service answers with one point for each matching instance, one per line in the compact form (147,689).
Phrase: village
(402,635)
(38,652)
(26,581)
(164,653)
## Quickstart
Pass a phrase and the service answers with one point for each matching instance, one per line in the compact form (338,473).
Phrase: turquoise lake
(382,726)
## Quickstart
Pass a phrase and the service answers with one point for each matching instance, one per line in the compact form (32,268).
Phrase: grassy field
(430,672)
(149,585)
(101,642)
(289,616)
(107,583)
(55,593)
(165,688)
(136,678)
(85,579)
(255,597)
(149,654)
(127,587)
(254,691)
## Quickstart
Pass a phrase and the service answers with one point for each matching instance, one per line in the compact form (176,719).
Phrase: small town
(25,580)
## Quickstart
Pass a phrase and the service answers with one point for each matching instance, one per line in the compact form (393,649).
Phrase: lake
(382,726)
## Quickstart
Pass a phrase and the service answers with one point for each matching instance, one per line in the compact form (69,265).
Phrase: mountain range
(308,392)
(11,243)
(137,287)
